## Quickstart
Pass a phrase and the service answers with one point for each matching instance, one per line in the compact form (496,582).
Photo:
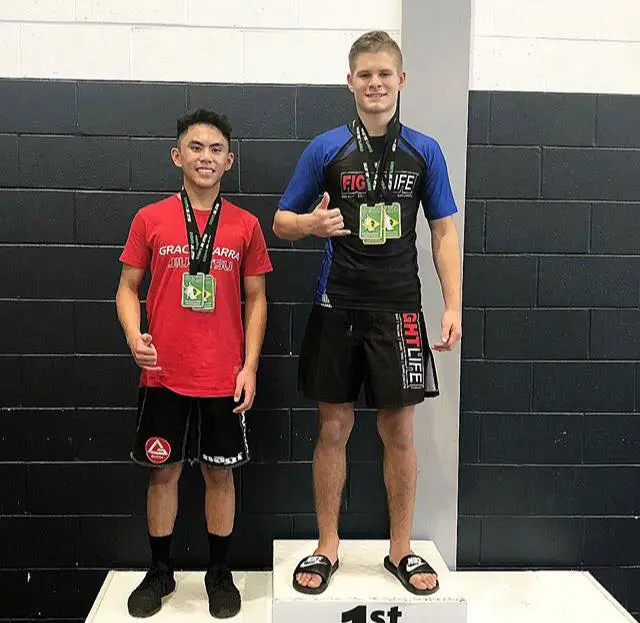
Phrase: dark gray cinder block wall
(549,440)
(550,435)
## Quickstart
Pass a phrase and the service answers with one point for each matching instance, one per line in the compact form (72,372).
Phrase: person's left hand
(451,330)
(245,389)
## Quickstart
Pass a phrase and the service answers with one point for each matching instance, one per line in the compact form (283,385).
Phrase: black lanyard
(378,188)
(200,249)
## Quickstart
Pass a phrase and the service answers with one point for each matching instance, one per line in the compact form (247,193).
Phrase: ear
(350,82)
(403,79)
(175,156)
(230,160)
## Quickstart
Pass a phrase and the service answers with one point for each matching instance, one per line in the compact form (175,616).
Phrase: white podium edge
(609,597)
(100,596)
(590,578)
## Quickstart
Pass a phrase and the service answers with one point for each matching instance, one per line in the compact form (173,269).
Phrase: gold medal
(192,290)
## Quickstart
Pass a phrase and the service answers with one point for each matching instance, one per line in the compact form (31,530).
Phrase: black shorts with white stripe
(386,351)
(172,428)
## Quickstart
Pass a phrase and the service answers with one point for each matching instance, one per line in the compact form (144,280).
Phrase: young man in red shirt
(198,366)
(366,326)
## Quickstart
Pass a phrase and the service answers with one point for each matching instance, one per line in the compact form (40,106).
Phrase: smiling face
(203,155)
(375,80)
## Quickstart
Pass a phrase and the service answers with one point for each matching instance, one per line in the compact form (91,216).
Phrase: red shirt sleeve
(136,251)
(256,259)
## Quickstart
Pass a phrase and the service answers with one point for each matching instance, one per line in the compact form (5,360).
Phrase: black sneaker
(146,599)
(224,597)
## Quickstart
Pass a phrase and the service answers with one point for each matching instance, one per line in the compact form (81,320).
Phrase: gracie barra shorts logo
(411,355)
(158,450)
(354,184)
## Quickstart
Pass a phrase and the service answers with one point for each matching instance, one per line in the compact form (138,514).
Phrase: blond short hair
(374,41)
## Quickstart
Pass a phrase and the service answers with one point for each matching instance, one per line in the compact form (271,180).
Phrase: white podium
(537,597)
(187,603)
(362,590)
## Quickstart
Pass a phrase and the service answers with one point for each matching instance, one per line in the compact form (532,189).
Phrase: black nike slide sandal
(409,566)
(321,566)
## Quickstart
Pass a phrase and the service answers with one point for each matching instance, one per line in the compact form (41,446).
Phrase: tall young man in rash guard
(198,367)
(366,325)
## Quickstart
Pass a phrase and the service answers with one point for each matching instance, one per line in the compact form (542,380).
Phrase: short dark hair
(207,117)
(374,41)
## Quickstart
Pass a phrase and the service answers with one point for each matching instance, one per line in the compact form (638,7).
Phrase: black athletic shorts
(388,351)
(172,428)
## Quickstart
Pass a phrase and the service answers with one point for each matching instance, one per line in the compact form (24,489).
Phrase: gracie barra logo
(413,362)
(354,184)
(158,450)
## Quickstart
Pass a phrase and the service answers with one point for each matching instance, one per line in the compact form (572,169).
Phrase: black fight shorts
(387,351)
(172,428)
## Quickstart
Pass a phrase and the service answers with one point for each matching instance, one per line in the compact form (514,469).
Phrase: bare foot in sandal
(313,580)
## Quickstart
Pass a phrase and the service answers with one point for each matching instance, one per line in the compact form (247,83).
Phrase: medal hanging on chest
(380,223)
(380,218)
(372,230)
(198,286)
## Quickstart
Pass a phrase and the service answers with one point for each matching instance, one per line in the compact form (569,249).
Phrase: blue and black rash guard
(355,275)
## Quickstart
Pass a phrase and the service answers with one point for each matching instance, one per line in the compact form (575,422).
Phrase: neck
(376,123)
(201,198)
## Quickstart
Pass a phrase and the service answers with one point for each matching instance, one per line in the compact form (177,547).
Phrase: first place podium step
(362,590)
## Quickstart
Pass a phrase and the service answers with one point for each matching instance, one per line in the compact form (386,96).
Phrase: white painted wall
(590,46)
(522,45)
(254,41)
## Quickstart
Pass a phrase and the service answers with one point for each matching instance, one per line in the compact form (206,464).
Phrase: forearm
(128,307)
(255,322)
(291,226)
(446,257)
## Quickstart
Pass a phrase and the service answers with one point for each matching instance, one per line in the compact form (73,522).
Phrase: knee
(396,435)
(166,476)
(216,477)
(334,433)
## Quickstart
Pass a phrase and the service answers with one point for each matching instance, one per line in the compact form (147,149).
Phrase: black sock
(218,548)
(161,549)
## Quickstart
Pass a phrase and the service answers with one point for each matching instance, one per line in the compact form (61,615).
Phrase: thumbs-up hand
(144,352)
(327,223)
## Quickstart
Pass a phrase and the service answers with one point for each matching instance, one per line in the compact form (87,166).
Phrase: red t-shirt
(200,353)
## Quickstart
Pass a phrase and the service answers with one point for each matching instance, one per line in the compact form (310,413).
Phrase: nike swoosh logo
(310,563)
(414,566)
